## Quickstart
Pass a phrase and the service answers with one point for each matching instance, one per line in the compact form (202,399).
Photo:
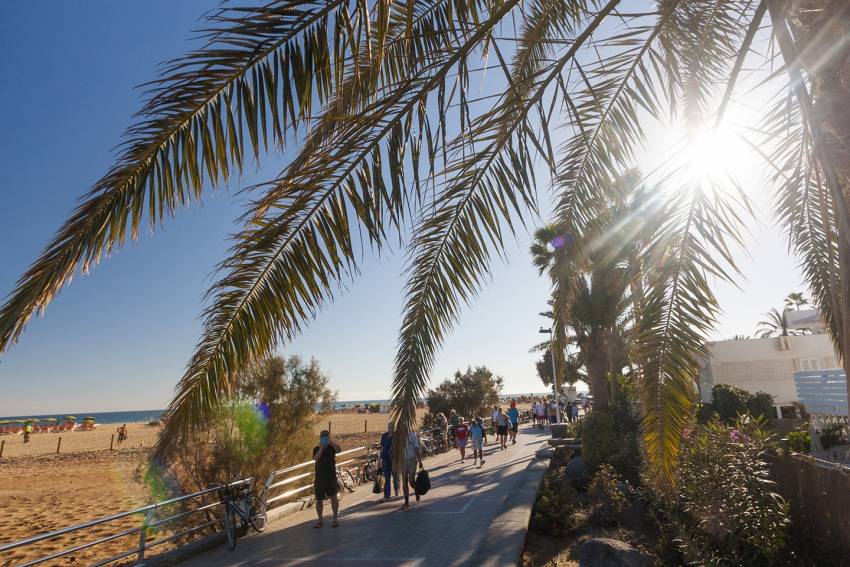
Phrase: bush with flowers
(729,512)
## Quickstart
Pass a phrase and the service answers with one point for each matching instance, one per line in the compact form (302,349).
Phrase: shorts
(461,443)
(502,429)
(478,444)
(553,419)
(514,427)
(325,486)
(409,467)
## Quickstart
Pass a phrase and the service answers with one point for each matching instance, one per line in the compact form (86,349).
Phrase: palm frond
(348,182)
(451,247)
(679,310)
(258,76)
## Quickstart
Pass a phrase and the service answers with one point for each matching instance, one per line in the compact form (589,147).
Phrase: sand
(139,436)
(43,491)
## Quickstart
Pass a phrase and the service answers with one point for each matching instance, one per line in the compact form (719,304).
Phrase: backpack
(423,482)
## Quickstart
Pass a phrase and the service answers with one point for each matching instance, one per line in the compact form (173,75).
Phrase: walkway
(471,516)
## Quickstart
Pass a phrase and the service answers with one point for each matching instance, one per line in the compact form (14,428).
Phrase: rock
(576,469)
(604,552)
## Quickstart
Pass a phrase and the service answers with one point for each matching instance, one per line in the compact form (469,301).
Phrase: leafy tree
(760,405)
(572,372)
(372,103)
(470,393)
(267,423)
(730,402)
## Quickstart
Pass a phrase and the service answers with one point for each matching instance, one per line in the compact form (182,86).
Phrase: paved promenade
(471,516)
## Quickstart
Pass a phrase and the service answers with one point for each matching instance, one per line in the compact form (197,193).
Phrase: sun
(715,153)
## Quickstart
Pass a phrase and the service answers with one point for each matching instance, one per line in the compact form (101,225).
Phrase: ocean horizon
(144,416)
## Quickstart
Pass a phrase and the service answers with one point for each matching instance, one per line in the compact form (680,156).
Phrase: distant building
(767,365)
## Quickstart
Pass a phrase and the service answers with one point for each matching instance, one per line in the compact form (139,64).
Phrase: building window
(809,364)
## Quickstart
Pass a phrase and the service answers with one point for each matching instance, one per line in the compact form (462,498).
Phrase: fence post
(58,444)
(143,536)
(2,444)
(365,427)
(329,427)
(111,441)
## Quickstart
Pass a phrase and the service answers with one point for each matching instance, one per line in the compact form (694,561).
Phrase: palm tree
(776,325)
(795,299)
(374,101)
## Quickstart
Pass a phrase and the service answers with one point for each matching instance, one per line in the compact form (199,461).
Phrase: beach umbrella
(50,419)
(71,417)
(5,421)
(89,418)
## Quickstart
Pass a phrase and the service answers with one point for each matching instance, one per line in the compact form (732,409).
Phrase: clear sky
(119,338)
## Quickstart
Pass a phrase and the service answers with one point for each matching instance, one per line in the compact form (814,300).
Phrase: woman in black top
(325,485)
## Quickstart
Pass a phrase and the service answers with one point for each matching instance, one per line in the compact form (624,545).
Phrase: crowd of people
(459,431)
(545,412)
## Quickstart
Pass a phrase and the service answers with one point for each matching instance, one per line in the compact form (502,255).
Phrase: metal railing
(280,486)
(149,523)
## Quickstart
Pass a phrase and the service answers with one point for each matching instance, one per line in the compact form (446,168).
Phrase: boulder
(604,552)
(576,469)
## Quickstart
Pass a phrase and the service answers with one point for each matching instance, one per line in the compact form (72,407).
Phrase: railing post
(58,444)
(143,536)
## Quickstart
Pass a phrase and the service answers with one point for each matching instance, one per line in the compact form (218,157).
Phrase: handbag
(377,486)
(423,482)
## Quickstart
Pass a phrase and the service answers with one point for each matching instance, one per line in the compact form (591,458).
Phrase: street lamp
(554,372)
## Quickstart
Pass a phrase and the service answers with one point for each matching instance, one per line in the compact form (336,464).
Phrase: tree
(572,372)
(795,299)
(470,393)
(776,325)
(372,101)
(265,424)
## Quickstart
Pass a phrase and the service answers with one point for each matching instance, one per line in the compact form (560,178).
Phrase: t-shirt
(386,447)
(455,419)
(541,409)
(461,431)
(411,446)
(513,414)
(476,431)
(501,419)
(493,415)
(327,462)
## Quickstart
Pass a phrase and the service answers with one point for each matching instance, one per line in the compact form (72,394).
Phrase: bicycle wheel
(346,481)
(257,513)
(370,471)
(230,526)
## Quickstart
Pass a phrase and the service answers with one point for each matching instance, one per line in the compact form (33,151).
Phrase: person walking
(412,456)
(476,433)
(501,421)
(325,485)
(443,425)
(541,413)
(513,415)
(461,435)
(454,419)
(386,464)
(553,413)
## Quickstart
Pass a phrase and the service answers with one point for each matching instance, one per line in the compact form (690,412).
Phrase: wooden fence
(819,495)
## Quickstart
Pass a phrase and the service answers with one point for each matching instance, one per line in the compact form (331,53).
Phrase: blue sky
(119,338)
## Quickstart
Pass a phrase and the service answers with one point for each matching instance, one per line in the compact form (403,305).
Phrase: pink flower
(735,436)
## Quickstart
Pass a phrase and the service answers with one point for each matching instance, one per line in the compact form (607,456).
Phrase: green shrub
(606,489)
(731,514)
(599,442)
(729,402)
(833,436)
(760,404)
(554,506)
(800,440)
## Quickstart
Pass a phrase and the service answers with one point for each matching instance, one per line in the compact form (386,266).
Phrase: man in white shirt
(412,456)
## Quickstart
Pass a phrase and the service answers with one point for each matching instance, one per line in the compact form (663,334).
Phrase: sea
(145,416)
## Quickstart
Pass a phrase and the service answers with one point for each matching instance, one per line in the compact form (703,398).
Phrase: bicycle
(240,502)
(371,470)
(345,481)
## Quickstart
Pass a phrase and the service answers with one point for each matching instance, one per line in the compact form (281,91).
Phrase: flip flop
(335,524)
(318,525)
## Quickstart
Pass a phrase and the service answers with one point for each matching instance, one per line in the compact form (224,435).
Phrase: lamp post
(554,371)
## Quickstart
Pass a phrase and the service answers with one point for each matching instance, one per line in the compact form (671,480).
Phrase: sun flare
(714,153)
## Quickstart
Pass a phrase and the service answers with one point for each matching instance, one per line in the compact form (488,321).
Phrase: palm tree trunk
(819,44)
(597,370)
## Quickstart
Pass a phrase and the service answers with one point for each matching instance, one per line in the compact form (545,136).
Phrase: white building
(766,365)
